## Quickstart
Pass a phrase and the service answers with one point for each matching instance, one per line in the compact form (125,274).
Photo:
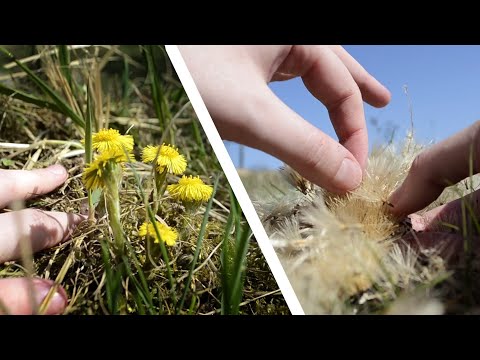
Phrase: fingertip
(25,184)
(67,222)
(77,218)
(357,144)
(387,96)
(53,175)
(348,177)
(383,97)
(58,301)
(16,295)
(395,208)
(58,170)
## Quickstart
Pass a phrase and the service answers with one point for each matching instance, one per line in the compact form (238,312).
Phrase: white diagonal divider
(234,180)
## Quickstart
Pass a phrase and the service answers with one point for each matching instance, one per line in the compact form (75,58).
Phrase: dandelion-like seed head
(169,235)
(168,158)
(111,139)
(190,189)
(93,176)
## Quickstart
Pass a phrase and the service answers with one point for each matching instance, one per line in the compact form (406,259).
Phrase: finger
(432,233)
(251,114)
(373,92)
(23,184)
(450,216)
(279,76)
(16,296)
(329,81)
(442,165)
(43,229)
(271,126)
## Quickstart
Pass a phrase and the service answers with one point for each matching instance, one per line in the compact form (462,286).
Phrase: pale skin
(232,81)
(42,229)
(436,168)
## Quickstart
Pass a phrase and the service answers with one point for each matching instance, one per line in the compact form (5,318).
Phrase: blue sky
(443,85)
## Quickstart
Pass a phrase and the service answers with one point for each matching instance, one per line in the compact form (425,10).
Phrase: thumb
(270,125)
(16,296)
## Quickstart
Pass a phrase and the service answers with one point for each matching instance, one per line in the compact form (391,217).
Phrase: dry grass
(346,255)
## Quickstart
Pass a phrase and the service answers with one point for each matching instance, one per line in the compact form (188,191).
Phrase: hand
(439,166)
(43,229)
(232,81)
(436,168)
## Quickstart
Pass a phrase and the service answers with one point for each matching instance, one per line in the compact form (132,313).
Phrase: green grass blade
(139,303)
(165,92)
(89,148)
(30,99)
(126,87)
(64,59)
(155,85)
(192,305)
(233,261)
(125,81)
(111,280)
(468,232)
(227,262)
(201,234)
(143,293)
(198,137)
(239,270)
(163,249)
(141,275)
(61,104)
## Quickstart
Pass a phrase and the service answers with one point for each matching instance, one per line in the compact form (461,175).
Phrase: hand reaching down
(43,229)
(436,168)
(233,82)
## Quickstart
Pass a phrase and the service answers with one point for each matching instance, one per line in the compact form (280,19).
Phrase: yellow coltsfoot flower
(111,139)
(168,158)
(190,189)
(94,173)
(169,235)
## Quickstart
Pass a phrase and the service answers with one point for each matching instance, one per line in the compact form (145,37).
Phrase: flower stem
(149,255)
(159,189)
(112,199)
(91,207)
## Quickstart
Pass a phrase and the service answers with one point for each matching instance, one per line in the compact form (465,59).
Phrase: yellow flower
(168,158)
(111,139)
(168,234)
(93,176)
(190,189)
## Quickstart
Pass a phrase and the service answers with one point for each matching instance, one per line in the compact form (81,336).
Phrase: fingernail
(349,176)
(419,223)
(78,218)
(57,170)
(57,302)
